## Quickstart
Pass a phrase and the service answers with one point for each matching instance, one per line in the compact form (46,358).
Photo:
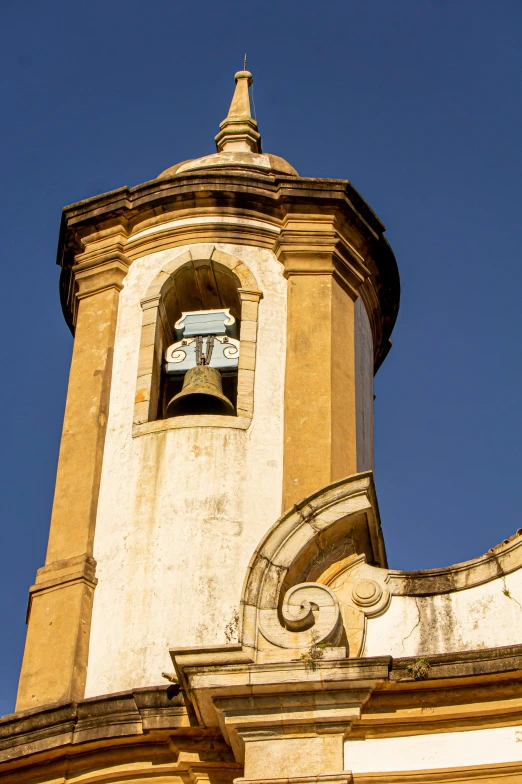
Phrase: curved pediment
(287,604)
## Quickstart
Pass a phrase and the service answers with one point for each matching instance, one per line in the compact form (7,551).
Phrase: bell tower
(228,318)
(216,606)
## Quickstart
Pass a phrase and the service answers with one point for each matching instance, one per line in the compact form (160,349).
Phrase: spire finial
(238,132)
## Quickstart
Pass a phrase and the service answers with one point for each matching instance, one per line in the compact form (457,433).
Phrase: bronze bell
(202,393)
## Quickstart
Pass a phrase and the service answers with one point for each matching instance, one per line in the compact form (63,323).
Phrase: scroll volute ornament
(334,613)
(282,614)
(309,615)
(362,593)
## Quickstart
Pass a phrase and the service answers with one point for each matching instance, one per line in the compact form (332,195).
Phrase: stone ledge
(488,661)
(192,421)
(135,714)
(118,715)
(62,573)
(68,569)
(211,683)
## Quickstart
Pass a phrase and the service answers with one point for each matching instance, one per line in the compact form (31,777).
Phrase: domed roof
(238,141)
(233,160)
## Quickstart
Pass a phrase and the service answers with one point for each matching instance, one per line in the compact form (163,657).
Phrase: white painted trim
(434,750)
(223,219)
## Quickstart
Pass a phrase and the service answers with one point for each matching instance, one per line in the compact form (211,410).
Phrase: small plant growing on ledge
(419,669)
(314,653)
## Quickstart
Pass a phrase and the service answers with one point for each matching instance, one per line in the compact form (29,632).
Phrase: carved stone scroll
(310,615)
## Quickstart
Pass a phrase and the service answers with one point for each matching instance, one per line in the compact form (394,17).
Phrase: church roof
(238,142)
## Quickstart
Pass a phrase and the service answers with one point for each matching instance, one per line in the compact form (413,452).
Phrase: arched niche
(202,278)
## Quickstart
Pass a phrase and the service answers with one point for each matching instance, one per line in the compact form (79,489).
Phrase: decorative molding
(52,576)
(180,423)
(276,701)
(281,702)
(310,614)
(201,218)
(500,560)
(362,593)
(366,593)
(96,275)
(107,716)
(246,209)
(304,535)
(314,245)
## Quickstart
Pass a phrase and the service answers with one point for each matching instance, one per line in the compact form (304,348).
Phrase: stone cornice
(273,190)
(467,690)
(288,215)
(359,697)
(108,717)
(497,562)
(99,274)
(317,247)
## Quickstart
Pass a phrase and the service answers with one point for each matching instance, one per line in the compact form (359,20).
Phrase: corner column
(54,666)
(320,431)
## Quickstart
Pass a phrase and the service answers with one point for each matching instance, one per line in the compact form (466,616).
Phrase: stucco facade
(216,602)
(181,510)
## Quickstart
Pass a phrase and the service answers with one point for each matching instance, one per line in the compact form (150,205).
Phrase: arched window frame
(156,333)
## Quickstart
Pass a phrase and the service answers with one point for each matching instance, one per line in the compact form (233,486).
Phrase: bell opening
(197,285)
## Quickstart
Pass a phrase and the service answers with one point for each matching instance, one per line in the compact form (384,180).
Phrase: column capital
(68,571)
(315,246)
(99,274)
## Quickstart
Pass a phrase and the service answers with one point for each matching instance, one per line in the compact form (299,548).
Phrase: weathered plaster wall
(363,387)
(434,750)
(484,616)
(181,511)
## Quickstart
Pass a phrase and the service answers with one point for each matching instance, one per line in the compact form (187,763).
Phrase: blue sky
(417,102)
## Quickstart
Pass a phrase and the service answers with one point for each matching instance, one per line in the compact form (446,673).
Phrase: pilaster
(324,274)
(59,615)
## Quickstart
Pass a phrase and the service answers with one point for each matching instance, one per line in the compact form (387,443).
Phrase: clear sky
(417,102)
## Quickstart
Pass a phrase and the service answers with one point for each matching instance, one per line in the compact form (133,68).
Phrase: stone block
(247,357)
(245,381)
(173,265)
(148,335)
(155,287)
(248,331)
(249,310)
(146,360)
(141,412)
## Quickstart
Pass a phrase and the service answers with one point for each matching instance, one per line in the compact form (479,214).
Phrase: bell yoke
(207,348)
